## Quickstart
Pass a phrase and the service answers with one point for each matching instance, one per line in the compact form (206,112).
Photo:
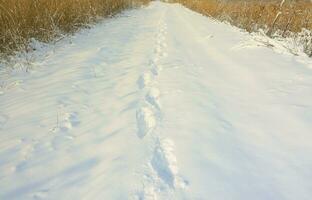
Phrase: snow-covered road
(158,103)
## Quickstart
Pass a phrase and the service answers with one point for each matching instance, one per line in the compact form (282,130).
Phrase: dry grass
(45,20)
(282,18)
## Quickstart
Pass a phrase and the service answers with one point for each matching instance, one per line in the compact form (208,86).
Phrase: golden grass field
(293,16)
(45,20)
(282,18)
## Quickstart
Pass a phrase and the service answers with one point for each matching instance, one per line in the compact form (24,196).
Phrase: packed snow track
(158,103)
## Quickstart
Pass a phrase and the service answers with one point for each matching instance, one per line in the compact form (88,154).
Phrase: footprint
(208,37)
(3,120)
(153,98)
(21,166)
(74,119)
(27,148)
(164,163)
(158,50)
(163,54)
(161,40)
(69,121)
(43,194)
(145,80)
(163,30)
(163,44)
(78,88)
(64,101)
(146,121)
(66,121)
(26,153)
(156,69)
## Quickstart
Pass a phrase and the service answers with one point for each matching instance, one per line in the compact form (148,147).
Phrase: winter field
(158,103)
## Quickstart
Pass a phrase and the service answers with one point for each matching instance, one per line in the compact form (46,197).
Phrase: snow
(158,103)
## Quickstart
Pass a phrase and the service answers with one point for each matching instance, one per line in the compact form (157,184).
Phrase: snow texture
(158,103)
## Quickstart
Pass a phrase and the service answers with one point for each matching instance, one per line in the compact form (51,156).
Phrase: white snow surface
(158,103)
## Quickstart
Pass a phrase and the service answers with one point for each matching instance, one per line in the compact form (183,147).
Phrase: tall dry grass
(278,18)
(44,20)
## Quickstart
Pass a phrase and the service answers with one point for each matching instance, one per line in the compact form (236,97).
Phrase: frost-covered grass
(286,19)
(45,20)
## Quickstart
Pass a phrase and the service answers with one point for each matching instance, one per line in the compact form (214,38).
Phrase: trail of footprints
(162,173)
(149,111)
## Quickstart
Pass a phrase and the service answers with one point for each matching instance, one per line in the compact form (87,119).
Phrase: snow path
(159,103)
